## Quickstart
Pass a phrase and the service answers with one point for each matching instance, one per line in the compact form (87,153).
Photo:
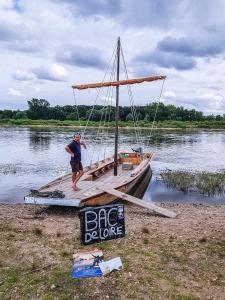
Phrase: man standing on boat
(74,149)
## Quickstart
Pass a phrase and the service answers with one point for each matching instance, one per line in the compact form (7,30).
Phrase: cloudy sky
(47,45)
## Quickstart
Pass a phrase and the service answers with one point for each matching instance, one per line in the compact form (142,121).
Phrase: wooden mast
(117,109)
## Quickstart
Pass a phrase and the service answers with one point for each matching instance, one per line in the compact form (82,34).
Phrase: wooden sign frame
(102,223)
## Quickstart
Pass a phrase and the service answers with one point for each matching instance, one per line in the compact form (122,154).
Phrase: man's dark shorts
(76,166)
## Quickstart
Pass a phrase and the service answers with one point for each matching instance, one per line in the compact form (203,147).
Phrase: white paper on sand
(110,265)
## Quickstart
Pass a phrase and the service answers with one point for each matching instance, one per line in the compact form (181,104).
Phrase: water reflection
(39,141)
(157,192)
(167,138)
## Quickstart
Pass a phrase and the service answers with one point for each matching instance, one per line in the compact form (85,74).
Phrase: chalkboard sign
(102,223)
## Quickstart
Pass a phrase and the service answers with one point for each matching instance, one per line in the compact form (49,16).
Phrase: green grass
(102,245)
(205,183)
(146,241)
(209,124)
(143,270)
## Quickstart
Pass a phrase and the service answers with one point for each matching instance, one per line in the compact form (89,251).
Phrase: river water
(32,156)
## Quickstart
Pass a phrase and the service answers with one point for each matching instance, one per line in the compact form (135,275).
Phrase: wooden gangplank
(162,211)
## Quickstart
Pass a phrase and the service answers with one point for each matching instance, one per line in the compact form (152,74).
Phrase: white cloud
(212,96)
(23,75)
(13,92)
(57,71)
(169,94)
(27,46)
(6,4)
(53,72)
(209,103)
(36,89)
(216,102)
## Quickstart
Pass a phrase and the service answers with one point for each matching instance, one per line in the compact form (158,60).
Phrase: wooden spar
(117,110)
(117,83)
(134,200)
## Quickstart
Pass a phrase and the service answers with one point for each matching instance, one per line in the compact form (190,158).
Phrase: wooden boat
(97,176)
(108,179)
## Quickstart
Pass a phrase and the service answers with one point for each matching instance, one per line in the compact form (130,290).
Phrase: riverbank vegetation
(205,183)
(212,124)
(40,112)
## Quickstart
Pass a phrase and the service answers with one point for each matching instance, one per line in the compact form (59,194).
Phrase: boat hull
(130,188)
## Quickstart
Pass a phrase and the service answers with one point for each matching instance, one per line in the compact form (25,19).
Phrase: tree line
(41,109)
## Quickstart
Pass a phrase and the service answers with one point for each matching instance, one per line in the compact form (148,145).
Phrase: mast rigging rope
(156,111)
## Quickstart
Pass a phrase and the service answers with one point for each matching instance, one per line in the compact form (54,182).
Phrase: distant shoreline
(160,125)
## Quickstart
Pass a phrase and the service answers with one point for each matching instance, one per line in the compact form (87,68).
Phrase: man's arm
(67,148)
(84,145)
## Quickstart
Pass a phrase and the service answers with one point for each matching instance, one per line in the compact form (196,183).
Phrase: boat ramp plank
(52,201)
(134,200)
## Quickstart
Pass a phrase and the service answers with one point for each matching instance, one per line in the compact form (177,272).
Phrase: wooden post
(117,109)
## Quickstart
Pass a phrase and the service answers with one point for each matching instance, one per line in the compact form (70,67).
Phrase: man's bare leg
(74,176)
(81,172)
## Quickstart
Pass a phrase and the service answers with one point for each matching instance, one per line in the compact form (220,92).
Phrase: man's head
(76,137)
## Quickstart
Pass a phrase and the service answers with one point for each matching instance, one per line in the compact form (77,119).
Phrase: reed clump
(205,183)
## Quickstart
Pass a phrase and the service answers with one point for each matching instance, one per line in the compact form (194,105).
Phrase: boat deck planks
(88,187)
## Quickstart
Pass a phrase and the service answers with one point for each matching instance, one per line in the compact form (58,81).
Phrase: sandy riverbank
(182,258)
